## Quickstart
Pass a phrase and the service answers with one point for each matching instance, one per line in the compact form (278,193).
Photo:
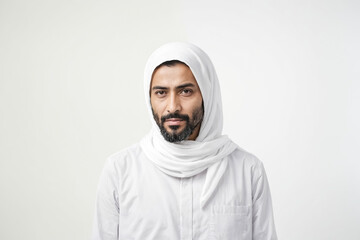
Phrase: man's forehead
(172,72)
(170,63)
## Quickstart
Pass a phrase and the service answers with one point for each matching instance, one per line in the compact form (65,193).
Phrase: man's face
(176,102)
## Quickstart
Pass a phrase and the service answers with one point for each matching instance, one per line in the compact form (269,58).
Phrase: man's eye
(186,92)
(160,93)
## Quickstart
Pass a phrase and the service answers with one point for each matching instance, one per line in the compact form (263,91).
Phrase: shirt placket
(186,208)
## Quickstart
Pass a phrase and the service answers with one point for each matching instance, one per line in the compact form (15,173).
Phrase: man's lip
(174,121)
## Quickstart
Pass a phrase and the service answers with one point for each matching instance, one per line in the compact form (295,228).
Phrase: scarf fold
(211,149)
(189,158)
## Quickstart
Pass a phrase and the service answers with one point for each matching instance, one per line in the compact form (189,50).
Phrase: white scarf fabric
(210,149)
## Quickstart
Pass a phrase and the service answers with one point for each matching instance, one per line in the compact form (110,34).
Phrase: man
(184,180)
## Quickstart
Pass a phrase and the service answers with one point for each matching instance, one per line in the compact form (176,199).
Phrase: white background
(71,94)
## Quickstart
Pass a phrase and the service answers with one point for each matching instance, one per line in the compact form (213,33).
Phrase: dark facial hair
(190,126)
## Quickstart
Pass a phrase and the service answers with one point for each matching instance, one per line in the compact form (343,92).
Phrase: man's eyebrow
(177,87)
(159,87)
(185,85)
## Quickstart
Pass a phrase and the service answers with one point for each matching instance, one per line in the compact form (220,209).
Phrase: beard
(190,125)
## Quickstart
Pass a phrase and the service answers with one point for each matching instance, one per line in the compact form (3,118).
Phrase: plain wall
(71,94)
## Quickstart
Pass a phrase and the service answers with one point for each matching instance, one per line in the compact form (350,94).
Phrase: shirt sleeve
(106,219)
(263,220)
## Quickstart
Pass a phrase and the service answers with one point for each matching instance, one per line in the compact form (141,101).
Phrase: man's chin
(175,135)
(174,128)
(173,131)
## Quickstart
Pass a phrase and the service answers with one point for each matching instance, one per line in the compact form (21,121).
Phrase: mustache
(175,115)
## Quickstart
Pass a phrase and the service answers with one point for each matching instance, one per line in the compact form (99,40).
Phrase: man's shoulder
(123,161)
(126,152)
(130,152)
(245,158)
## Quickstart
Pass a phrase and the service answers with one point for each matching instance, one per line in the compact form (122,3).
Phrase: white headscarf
(210,149)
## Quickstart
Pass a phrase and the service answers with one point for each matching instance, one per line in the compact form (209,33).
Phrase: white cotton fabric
(207,189)
(135,200)
(210,149)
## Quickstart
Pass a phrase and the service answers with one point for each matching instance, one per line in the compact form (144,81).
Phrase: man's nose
(173,103)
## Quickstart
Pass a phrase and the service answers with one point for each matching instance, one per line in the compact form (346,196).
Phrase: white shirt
(137,201)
